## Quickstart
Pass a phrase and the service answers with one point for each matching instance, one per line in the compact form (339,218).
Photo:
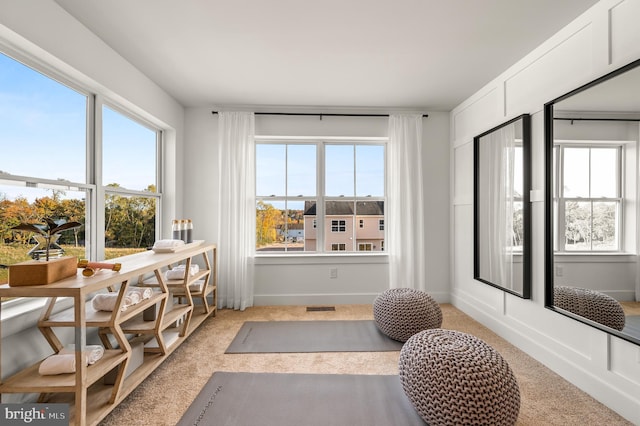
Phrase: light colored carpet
(546,398)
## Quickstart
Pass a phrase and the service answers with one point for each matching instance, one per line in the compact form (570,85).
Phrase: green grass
(15,253)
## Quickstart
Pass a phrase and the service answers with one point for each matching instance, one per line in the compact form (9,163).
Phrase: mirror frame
(548,199)
(526,206)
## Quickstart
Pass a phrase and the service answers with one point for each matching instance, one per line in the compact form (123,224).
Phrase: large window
(320,196)
(53,164)
(588,197)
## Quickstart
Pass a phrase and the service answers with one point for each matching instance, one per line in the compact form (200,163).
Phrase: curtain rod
(320,114)
(596,119)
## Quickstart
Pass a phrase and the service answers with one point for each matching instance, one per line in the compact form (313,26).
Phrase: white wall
(601,40)
(306,279)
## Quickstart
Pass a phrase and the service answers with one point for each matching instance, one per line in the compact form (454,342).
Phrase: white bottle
(175,230)
(183,230)
(189,227)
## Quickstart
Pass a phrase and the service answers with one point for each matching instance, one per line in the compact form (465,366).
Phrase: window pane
(130,223)
(605,217)
(369,170)
(30,205)
(129,152)
(576,172)
(604,172)
(577,225)
(372,233)
(301,170)
(339,170)
(282,226)
(271,162)
(310,226)
(43,124)
(339,224)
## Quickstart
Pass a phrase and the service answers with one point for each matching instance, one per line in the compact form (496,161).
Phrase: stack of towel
(107,301)
(65,361)
(177,273)
(167,244)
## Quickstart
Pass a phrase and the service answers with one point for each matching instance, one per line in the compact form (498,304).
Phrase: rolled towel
(132,298)
(107,301)
(104,301)
(177,273)
(144,293)
(167,244)
(196,286)
(93,353)
(58,364)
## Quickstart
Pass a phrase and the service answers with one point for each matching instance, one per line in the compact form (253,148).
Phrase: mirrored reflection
(501,206)
(592,203)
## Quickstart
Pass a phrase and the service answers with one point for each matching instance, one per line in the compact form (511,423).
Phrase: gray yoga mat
(311,336)
(275,399)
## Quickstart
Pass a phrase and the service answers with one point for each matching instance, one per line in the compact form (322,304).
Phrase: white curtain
(497,206)
(235,209)
(405,209)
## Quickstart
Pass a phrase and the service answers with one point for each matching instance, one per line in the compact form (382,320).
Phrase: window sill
(321,259)
(602,257)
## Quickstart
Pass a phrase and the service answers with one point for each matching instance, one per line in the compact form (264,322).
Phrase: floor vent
(320,308)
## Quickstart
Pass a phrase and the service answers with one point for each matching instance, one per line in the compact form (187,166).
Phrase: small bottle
(175,230)
(189,227)
(183,230)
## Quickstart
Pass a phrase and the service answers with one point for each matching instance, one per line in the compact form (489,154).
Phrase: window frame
(560,200)
(320,200)
(96,192)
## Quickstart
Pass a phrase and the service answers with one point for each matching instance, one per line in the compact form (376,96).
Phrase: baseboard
(328,299)
(313,299)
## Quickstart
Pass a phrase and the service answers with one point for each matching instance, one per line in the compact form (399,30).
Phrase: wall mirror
(592,214)
(502,224)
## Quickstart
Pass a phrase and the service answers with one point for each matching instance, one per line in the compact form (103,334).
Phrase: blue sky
(292,171)
(44,134)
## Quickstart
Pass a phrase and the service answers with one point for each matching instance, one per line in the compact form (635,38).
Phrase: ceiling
(400,54)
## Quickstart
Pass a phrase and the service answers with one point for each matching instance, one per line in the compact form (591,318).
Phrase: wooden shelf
(177,283)
(98,394)
(138,325)
(29,380)
(95,318)
(89,397)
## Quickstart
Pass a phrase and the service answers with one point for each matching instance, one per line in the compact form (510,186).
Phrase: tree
(267,218)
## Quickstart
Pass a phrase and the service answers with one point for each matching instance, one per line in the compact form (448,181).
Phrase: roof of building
(346,208)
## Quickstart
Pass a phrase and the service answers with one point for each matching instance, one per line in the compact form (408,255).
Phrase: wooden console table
(89,398)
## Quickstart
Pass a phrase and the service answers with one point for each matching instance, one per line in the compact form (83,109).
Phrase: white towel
(107,301)
(144,293)
(177,273)
(104,302)
(196,286)
(58,364)
(93,353)
(167,244)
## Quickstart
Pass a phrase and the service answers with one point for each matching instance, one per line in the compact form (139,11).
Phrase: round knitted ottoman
(454,378)
(590,304)
(402,312)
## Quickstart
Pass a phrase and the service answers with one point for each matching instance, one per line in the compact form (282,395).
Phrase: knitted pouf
(402,312)
(454,378)
(590,304)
